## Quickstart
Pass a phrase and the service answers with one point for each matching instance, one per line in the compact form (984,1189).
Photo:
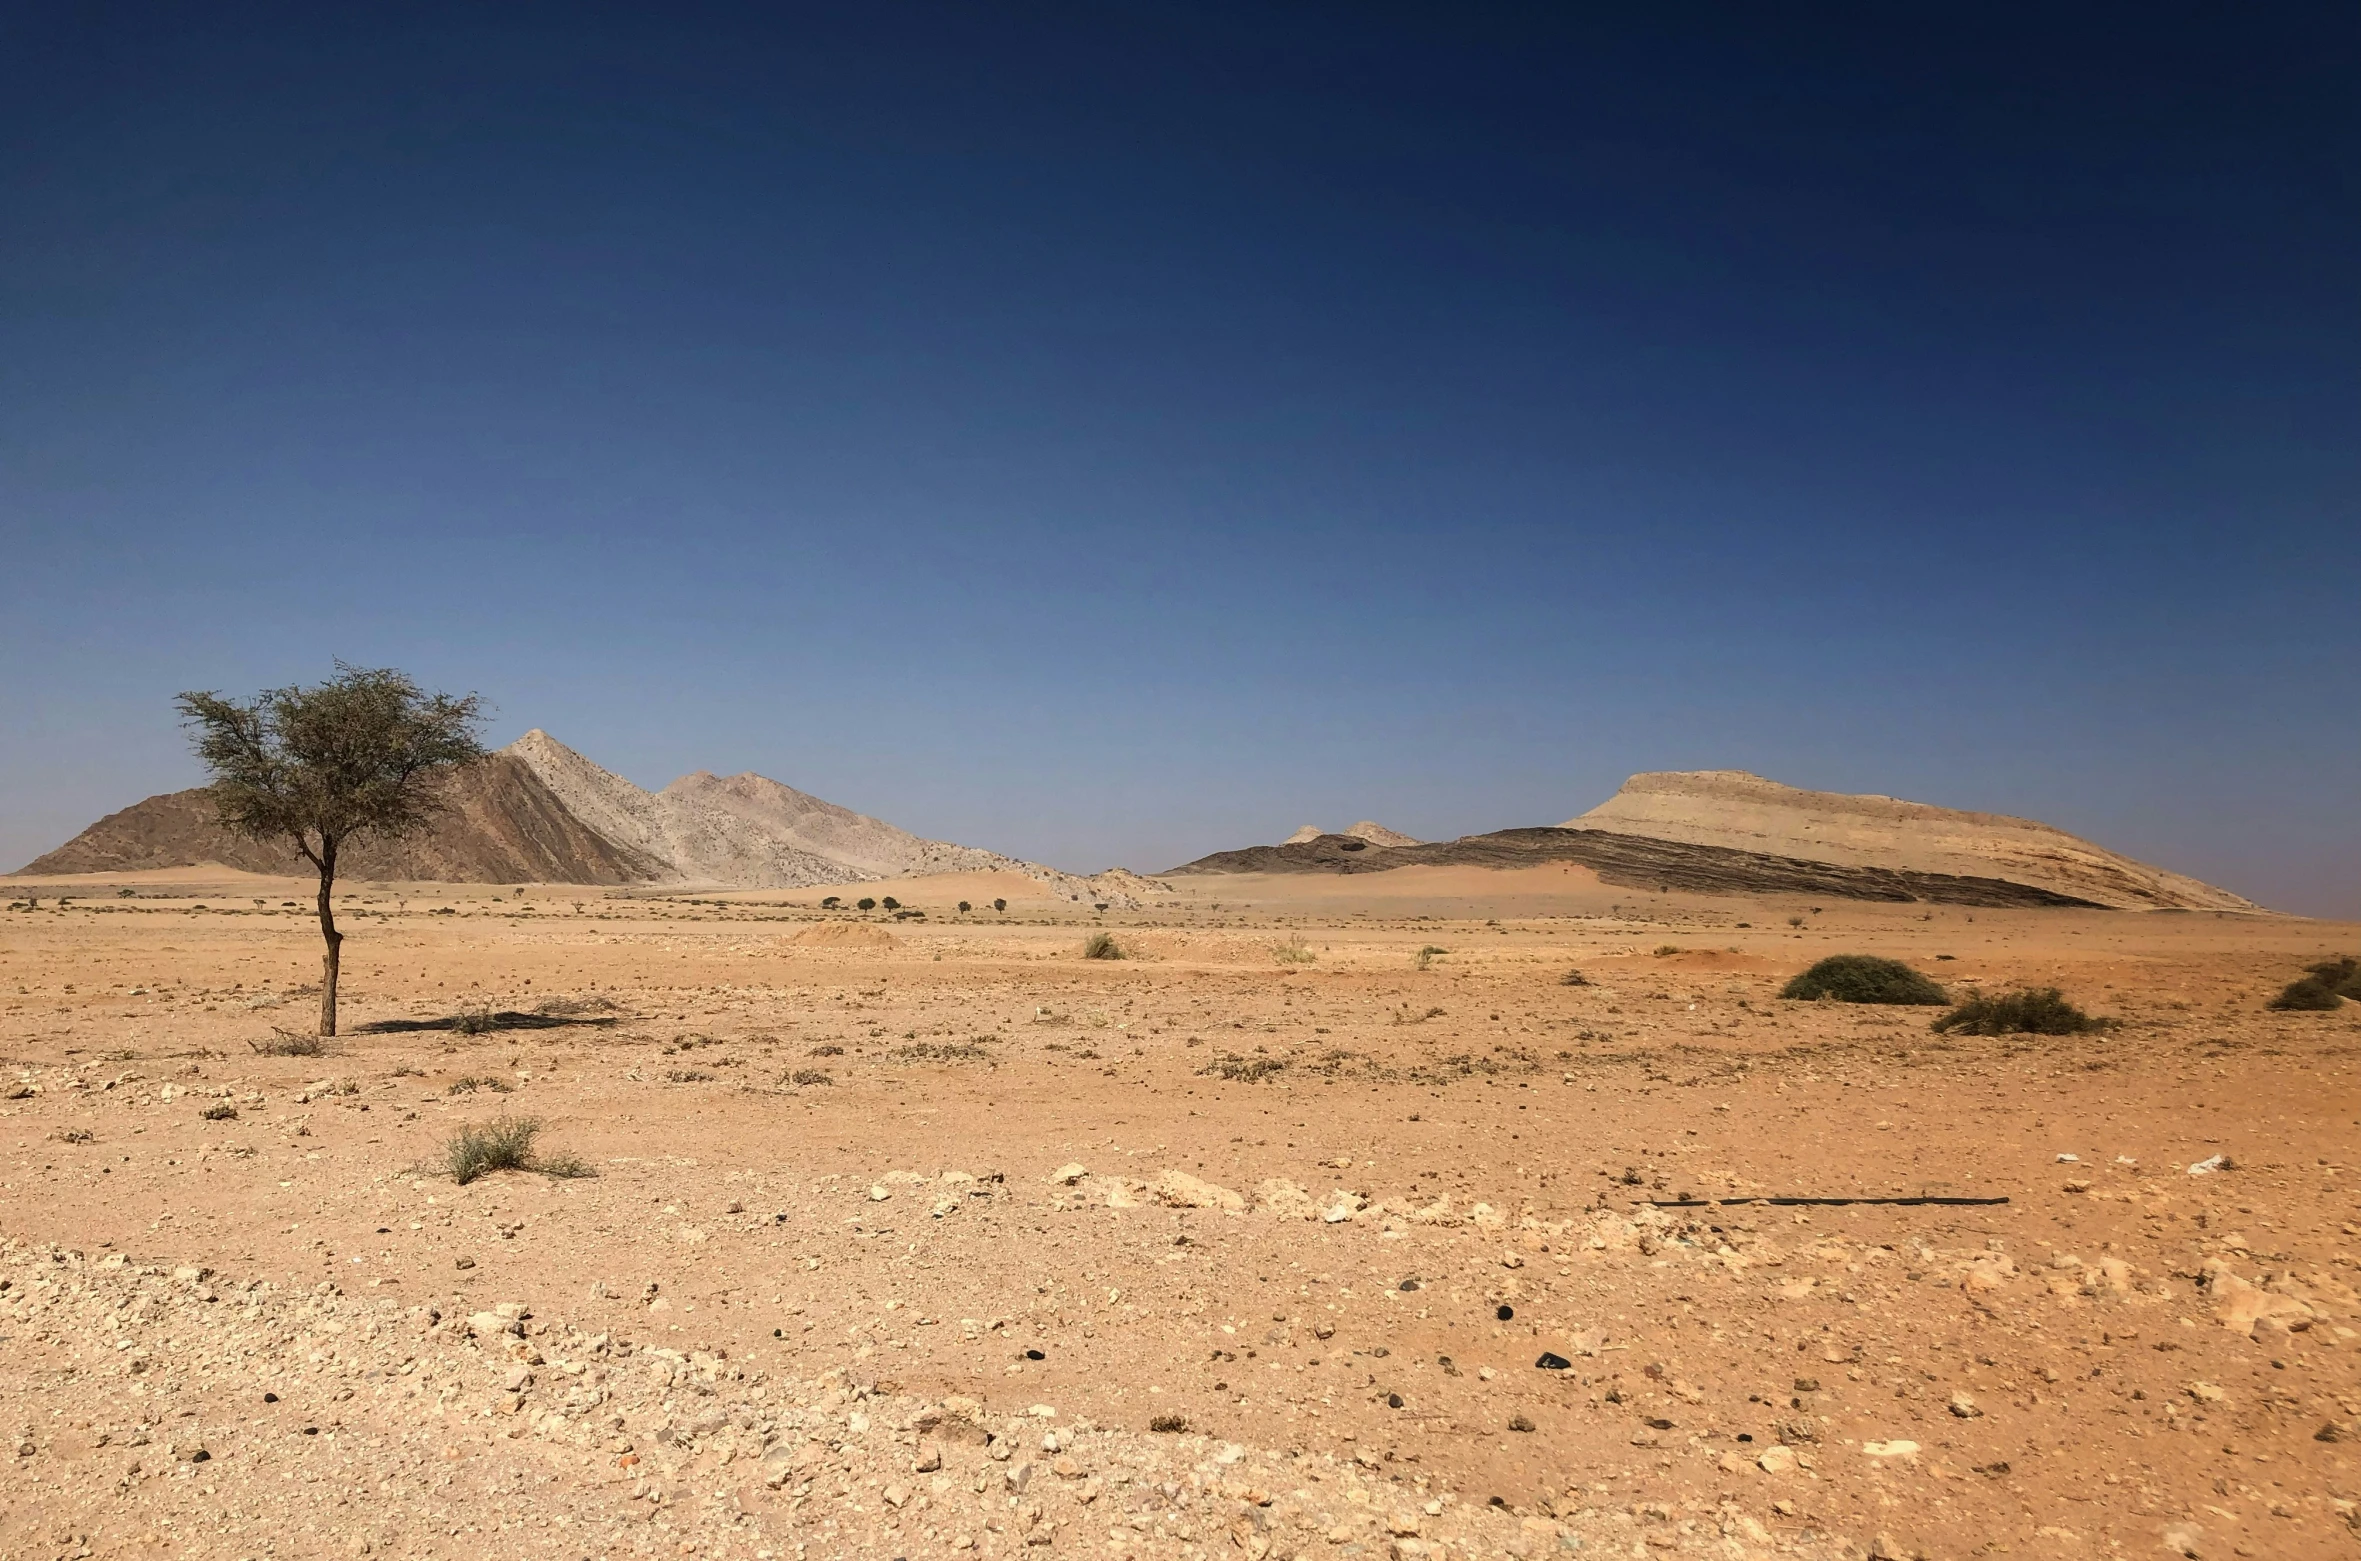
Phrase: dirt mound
(846,935)
(1743,812)
(504,826)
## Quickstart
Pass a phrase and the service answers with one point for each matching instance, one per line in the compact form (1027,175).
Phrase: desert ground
(1331,1222)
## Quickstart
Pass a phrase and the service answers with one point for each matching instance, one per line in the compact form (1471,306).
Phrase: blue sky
(1110,433)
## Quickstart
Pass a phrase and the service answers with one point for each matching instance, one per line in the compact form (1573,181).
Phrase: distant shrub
(1573,978)
(475,1081)
(1102,945)
(2341,975)
(2311,995)
(890,903)
(2038,1012)
(831,902)
(1663,949)
(1293,952)
(220,1111)
(964,907)
(1168,1423)
(476,1021)
(865,903)
(810,1076)
(1426,955)
(1864,978)
(1000,905)
(287,1043)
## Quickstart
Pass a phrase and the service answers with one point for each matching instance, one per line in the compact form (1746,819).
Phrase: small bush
(1168,1423)
(809,1076)
(2038,1012)
(2311,995)
(865,904)
(476,1021)
(890,903)
(1663,949)
(1102,945)
(287,1043)
(1000,905)
(830,1050)
(964,907)
(830,903)
(1293,952)
(1243,1070)
(2341,975)
(475,1081)
(504,1144)
(1573,978)
(220,1111)
(1864,978)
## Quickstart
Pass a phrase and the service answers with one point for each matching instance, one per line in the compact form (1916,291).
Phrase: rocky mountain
(538,812)
(504,826)
(1739,811)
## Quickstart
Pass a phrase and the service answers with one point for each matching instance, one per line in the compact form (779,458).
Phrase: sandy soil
(908,1250)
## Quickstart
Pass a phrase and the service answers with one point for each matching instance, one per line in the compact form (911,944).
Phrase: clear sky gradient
(1113,432)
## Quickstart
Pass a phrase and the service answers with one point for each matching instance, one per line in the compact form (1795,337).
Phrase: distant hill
(1728,832)
(538,812)
(1739,811)
(1368,829)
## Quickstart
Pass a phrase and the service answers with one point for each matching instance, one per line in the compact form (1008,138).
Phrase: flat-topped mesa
(1740,811)
(1367,829)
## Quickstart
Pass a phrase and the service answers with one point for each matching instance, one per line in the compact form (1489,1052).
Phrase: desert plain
(1335,1220)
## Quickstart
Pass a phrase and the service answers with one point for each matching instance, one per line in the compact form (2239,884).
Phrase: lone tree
(363,754)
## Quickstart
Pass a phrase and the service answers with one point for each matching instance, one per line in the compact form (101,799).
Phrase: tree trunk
(334,940)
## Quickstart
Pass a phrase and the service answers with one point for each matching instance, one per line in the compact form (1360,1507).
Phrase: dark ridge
(1637,862)
(503,826)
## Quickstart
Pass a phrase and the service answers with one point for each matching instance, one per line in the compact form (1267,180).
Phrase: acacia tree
(363,754)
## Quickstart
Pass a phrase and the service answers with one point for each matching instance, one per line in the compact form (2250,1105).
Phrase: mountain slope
(504,826)
(1739,811)
(1368,829)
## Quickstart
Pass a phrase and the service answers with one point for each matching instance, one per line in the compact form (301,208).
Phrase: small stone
(1068,1175)
(485,1325)
(463,1261)
(190,1450)
(2206,1393)
(1894,1449)
(1777,1460)
(880,1194)
(1965,1407)
(930,1458)
(895,1495)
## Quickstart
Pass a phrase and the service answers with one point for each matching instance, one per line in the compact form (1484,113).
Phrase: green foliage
(1102,945)
(505,1144)
(831,902)
(865,904)
(2311,995)
(2341,975)
(1000,905)
(964,907)
(2038,1012)
(358,754)
(890,903)
(1864,978)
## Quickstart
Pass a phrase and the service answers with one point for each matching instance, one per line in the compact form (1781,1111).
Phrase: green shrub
(1102,945)
(2311,995)
(504,1144)
(2341,975)
(1864,978)
(1293,952)
(2038,1012)
(865,903)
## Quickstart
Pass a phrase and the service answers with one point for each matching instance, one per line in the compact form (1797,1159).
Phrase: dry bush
(1293,952)
(809,1076)
(2311,995)
(1573,978)
(288,1043)
(1102,945)
(1243,1070)
(2038,1012)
